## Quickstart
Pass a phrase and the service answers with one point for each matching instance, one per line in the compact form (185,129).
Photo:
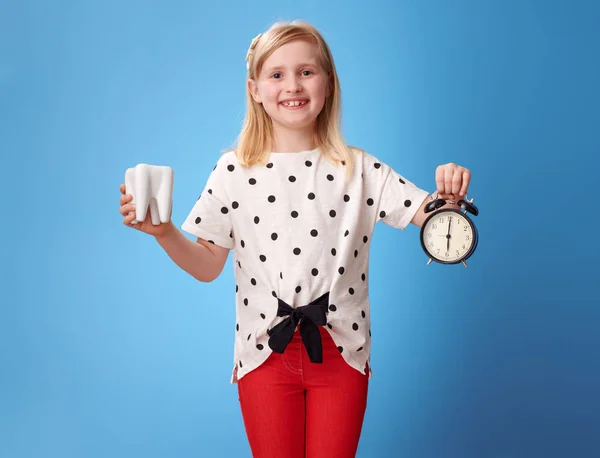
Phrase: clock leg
(429,262)
(463,261)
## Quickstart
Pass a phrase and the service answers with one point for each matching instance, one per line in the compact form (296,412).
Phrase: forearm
(195,258)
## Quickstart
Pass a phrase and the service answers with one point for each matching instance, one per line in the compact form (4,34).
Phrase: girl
(297,206)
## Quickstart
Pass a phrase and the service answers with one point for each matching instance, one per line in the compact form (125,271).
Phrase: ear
(329,85)
(253,88)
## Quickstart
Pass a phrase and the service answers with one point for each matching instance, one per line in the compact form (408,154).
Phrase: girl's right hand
(143,226)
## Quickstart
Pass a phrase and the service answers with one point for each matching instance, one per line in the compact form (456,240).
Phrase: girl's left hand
(452,181)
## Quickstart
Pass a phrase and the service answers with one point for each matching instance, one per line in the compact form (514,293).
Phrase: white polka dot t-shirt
(298,230)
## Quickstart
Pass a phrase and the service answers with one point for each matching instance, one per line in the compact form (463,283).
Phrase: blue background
(108,349)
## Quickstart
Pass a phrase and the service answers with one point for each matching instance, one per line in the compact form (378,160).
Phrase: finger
(448,173)
(466,179)
(456,180)
(122,189)
(125,198)
(128,219)
(126,209)
(439,180)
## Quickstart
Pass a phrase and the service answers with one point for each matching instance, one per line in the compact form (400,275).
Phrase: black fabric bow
(309,316)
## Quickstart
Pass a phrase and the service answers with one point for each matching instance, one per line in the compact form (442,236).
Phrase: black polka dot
(401,180)
(343,162)
(239,265)
(236,288)
(333,252)
(340,349)
(407,203)
(308,163)
(260,346)
(363,276)
(362,312)
(298,289)
(332,213)
(355,327)
(241,364)
(274,294)
(294,214)
(274,236)
(330,177)
(341,270)
(246,301)
(210,191)
(369,333)
(263,316)
(314,233)
(332,307)
(211,241)
(237,327)
(270,165)
(359,349)
(355,253)
(346,198)
(197,220)
(234,205)
(329,326)
(256,220)
(382,214)
(292,178)
(281,275)
(346,233)
(315,272)
(369,201)
(297,251)
(224,210)
(249,335)
(311,195)
(365,239)
(253,281)
(231,168)
(215,167)
(271,199)
(263,258)
(351,290)
(377,165)
(243,243)
(252,181)
(231,234)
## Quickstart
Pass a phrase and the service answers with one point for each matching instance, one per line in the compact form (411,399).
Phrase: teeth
(293,104)
(150,185)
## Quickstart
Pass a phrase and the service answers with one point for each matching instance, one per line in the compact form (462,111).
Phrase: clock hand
(448,236)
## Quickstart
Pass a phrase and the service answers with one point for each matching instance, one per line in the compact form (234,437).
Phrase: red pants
(293,408)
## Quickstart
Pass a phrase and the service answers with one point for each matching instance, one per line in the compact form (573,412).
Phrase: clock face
(448,236)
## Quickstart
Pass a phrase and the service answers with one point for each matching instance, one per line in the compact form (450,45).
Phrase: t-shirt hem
(216,238)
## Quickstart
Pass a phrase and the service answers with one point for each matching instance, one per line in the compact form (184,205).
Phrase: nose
(294,85)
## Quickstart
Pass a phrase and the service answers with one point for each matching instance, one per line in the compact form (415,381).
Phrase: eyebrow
(280,67)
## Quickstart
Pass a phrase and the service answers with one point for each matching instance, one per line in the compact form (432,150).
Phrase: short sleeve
(210,218)
(399,199)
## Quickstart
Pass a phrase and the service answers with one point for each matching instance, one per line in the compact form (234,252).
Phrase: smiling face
(292,86)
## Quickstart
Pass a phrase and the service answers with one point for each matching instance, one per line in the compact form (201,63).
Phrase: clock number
(441,220)
(466,228)
(434,226)
(468,237)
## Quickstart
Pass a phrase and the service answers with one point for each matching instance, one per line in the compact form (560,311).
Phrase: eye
(307,71)
(275,75)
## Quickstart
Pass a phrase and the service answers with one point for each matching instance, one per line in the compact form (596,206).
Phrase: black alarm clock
(449,236)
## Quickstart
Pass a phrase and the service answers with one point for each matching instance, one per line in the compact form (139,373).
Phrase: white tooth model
(150,185)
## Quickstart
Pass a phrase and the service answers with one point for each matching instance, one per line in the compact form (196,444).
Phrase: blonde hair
(254,142)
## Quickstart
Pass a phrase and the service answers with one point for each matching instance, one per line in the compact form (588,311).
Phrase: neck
(293,140)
